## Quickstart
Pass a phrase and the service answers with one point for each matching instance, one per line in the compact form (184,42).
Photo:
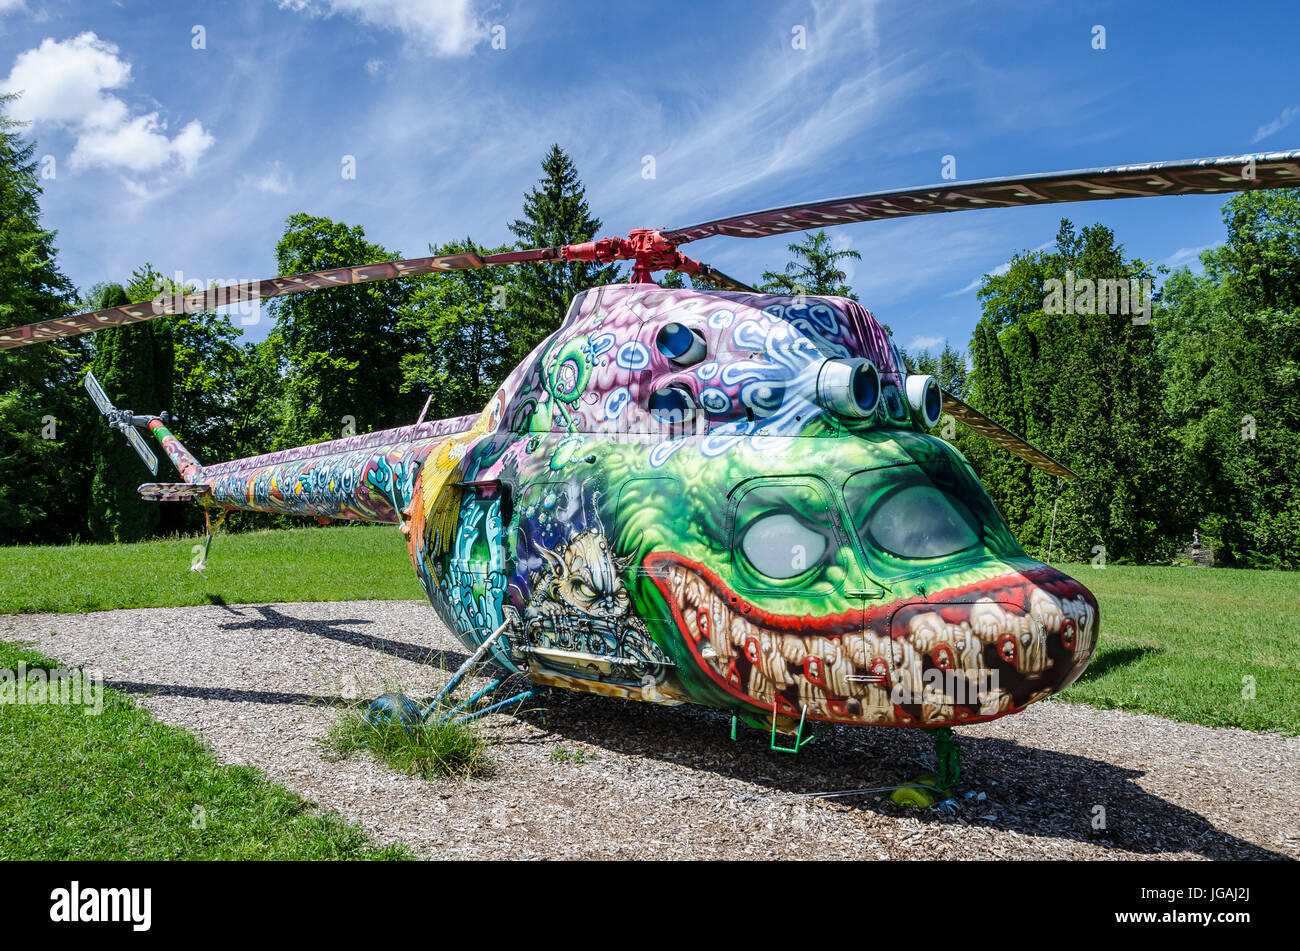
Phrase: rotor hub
(646,247)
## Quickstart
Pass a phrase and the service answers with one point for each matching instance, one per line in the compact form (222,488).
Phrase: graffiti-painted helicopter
(720,496)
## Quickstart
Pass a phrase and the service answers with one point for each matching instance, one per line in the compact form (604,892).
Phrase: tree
(555,213)
(459,349)
(814,271)
(339,349)
(949,368)
(1231,343)
(44,468)
(133,364)
(1084,385)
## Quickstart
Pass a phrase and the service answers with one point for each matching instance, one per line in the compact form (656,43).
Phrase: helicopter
(707,495)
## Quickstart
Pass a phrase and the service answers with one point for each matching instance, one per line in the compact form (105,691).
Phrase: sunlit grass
(428,749)
(338,563)
(121,785)
(1217,646)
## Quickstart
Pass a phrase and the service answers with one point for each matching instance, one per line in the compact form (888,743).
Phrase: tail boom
(366,478)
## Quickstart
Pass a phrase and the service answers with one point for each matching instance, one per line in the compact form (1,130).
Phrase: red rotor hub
(649,249)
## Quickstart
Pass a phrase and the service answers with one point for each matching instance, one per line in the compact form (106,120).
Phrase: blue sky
(192,158)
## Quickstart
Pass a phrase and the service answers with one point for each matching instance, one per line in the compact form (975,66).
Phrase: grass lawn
(1177,642)
(1187,643)
(121,785)
(339,563)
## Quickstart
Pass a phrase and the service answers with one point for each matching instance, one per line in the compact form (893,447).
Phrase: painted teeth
(834,676)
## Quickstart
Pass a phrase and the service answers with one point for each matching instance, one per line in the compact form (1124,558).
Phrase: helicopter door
(478,564)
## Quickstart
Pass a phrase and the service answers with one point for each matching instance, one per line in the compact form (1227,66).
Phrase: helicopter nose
(1042,625)
(1020,635)
(1059,624)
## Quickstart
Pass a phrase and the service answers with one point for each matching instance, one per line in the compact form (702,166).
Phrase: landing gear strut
(935,789)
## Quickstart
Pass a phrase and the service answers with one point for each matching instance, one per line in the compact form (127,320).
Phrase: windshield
(909,517)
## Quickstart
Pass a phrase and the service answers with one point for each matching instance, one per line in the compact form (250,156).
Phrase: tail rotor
(124,420)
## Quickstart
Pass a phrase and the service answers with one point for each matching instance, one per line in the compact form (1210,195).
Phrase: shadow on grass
(1113,659)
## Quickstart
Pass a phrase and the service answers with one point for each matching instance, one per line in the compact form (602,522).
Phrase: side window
(786,537)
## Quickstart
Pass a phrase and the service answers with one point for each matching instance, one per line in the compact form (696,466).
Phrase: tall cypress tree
(44,472)
(555,213)
(133,364)
(1084,386)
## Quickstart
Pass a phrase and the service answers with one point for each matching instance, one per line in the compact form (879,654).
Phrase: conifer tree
(133,363)
(555,213)
(44,469)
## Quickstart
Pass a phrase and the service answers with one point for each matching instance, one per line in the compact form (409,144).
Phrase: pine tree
(555,213)
(815,269)
(44,469)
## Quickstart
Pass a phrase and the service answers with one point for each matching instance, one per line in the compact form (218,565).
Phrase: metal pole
(465,668)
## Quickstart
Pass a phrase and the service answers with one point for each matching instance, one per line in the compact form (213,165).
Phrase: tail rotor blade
(98,395)
(1001,436)
(121,419)
(142,448)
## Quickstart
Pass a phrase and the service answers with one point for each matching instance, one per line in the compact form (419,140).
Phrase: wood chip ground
(262,684)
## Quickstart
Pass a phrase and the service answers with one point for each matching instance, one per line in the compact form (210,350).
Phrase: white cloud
(996,272)
(1277,125)
(274,181)
(11,6)
(67,84)
(451,26)
(1184,255)
(374,66)
(923,343)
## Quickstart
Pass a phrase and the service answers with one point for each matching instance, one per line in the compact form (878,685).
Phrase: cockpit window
(910,516)
(783,534)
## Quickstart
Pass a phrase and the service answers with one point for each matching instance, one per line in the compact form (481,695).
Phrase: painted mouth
(959,656)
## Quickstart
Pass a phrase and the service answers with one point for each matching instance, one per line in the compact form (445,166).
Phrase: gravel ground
(262,683)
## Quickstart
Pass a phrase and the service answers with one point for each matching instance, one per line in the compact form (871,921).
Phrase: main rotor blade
(1001,436)
(200,301)
(722,281)
(1207,176)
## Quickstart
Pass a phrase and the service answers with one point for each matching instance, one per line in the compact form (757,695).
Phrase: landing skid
(397,708)
(925,791)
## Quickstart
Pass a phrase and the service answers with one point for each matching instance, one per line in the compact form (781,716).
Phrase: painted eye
(586,590)
(781,546)
(920,522)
